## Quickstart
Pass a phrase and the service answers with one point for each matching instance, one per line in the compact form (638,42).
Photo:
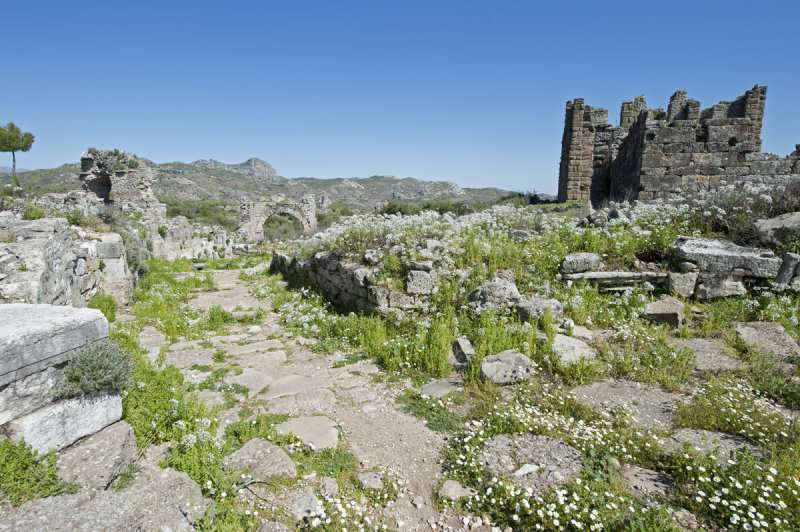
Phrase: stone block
(61,424)
(789,266)
(97,460)
(712,286)
(507,367)
(27,394)
(580,262)
(778,230)
(533,308)
(35,337)
(682,284)
(569,350)
(420,282)
(719,256)
(669,310)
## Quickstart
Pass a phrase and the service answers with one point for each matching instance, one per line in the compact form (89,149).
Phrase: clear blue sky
(472,92)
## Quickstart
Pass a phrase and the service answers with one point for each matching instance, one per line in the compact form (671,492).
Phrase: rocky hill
(254,178)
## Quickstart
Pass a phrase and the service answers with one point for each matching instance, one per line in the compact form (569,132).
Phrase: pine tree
(13,139)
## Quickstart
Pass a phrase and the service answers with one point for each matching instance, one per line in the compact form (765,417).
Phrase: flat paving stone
(151,339)
(570,350)
(189,357)
(253,380)
(315,401)
(441,387)
(646,483)
(318,432)
(651,407)
(292,384)
(263,460)
(263,345)
(768,337)
(705,441)
(709,354)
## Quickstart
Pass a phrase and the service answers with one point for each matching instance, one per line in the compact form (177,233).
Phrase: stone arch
(254,214)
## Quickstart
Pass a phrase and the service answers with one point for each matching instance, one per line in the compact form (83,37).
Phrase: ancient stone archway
(254,214)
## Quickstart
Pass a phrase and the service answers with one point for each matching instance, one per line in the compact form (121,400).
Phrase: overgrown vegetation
(97,368)
(28,475)
(106,304)
(208,212)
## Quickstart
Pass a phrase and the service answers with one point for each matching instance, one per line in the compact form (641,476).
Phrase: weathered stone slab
(719,256)
(617,280)
(318,432)
(157,499)
(60,424)
(252,379)
(453,490)
(705,441)
(682,284)
(420,282)
(441,387)
(651,407)
(35,337)
(461,352)
(497,294)
(529,460)
(263,460)
(28,393)
(99,459)
(778,230)
(371,480)
(507,367)
(714,285)
(645,483)
(768,337)
(570,350)
(709,354)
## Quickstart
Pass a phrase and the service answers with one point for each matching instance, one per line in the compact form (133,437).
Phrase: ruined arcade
(655,153)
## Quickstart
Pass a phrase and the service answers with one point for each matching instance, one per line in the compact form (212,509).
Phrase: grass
(436,415)
(27,475)
(106,304)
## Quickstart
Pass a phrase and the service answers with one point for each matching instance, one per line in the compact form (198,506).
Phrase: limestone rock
(706,441)
(25,395)
(519,235)
(453,490)
(60,424)
(529,460)
(580,262)
(668,310)
(318,432)
(651,407)
(441,387)
(462,352)
(100,458)
(157,499)
(263,460)
(719,256)
(496,294)
(709,355)
(788,268)
(682,284)
(712,286)
(533,308)
(778,230)
(306,505)
(507,367)
(645,483)
(274,526)
(371,480)
(35,337)
(420,282)
(768,337)
(570,350)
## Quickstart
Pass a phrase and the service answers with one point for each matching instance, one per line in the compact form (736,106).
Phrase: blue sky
(471,92)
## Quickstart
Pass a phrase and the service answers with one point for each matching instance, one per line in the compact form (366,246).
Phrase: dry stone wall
(655,153)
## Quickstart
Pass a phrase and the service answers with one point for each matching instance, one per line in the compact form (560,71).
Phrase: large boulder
(497,294)
(719,256)
(778,230)
(507,367)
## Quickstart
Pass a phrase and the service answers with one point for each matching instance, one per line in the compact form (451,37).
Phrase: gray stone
(420,282)
(706,441)
(570,350)
(580,262)
(788,267)
(454,491)
(262,460)
(61,424)
(688,267)
(307,505)
(709,354)
(441,387)
(29,393)
(713,286)
(97,460)
(768,337)
(507,367)
(778,230)
(318,432)
(685,519)
(682,284)
(651,407)
(157,499)
(497,294)
(668,310)
(529,460)
(274,526)
(533,308)
(719,256)
(371,480)
(619,280)
(35,337)
(519,235)
(252,379)
(462,351)
(328,487)
(645,483)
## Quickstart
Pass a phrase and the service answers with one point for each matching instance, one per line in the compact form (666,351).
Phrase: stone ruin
(655,153)
(255,213)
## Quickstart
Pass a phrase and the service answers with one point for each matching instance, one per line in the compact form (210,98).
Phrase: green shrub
(162,230)
(33,212)
(97,368)
(76,217)
(218,318)
(24,475)
(106,304)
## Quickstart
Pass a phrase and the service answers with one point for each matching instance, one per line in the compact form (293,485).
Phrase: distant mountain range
(254,178)
(9,169)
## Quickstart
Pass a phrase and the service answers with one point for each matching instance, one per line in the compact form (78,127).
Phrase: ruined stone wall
(656,153)
(254,214)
